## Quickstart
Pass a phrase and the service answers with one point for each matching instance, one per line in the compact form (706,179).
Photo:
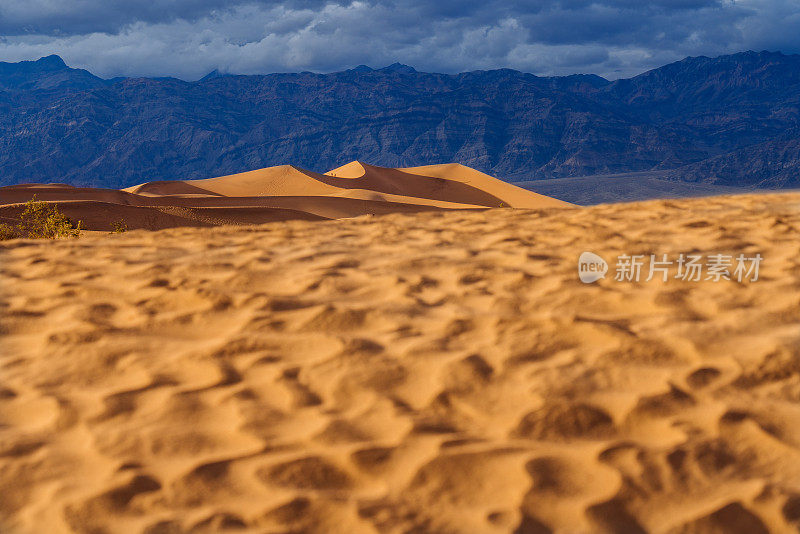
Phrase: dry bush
(119,227)
(40,220)
(8,232)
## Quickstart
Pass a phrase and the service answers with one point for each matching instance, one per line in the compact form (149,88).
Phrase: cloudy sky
(188,38)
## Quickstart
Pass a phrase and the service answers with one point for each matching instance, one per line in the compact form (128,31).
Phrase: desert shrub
(8,232)
(40,220)
(118,227)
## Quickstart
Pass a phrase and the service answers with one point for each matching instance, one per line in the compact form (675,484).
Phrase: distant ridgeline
(731,120)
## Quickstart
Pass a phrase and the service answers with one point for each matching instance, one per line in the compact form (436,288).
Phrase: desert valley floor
(439,371)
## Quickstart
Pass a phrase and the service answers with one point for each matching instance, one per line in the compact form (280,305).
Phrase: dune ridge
(277,193)
(442,371)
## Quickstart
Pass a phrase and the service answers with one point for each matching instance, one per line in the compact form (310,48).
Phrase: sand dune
(438,372)
(274,194)
(507,194)
(168,212)
(282,180)
(454,182)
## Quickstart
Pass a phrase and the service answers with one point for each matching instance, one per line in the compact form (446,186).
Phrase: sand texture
(276,194)
(437,372)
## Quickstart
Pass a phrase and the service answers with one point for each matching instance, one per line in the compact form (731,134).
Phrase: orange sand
(430,372)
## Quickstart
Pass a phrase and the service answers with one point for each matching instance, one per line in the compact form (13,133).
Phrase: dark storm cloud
(622,23)
(86,16)
(188,38)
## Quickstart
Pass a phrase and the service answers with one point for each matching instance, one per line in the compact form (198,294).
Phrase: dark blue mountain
(732,120)
(48,73)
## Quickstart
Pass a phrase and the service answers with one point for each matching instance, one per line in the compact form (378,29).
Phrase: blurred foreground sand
(432,372)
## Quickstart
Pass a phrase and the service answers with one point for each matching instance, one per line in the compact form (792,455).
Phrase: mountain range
(731,120)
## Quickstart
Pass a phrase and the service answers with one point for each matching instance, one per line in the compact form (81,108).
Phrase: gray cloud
(187,38)
(59,18)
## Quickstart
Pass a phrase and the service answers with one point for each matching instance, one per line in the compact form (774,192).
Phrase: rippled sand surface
(433,372)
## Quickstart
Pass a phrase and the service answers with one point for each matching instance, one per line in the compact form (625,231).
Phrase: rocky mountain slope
(730,120)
